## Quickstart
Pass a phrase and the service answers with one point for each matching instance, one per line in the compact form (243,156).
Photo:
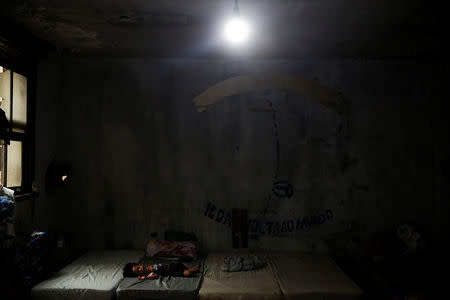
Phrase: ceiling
(280,28)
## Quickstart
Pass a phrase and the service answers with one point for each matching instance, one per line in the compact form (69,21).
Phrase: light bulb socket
(236,9)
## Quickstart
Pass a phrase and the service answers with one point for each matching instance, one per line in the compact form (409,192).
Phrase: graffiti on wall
(263,227)
(312,90)
(280,188)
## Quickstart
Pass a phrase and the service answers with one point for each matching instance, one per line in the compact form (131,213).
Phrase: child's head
(132,270)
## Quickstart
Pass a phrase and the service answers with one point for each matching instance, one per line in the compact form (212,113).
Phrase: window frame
(28,137)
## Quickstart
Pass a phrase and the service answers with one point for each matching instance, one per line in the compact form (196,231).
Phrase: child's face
(137,270)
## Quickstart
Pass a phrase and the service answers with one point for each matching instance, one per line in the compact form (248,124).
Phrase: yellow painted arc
(247,83)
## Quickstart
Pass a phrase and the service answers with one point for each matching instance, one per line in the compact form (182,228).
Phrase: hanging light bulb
(236,29)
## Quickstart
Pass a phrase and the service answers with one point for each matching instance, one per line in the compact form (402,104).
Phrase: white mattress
(95,276)
(260,284)
(304,276)
(165,287)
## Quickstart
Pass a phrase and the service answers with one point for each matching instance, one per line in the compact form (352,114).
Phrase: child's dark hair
(128,270)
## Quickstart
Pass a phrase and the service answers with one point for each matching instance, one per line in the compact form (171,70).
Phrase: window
(14,103)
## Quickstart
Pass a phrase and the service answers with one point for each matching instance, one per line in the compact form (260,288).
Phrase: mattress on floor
(313,276)
(165,287)
(258,284)
(94,275)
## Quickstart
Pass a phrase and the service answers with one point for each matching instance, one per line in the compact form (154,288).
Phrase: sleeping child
(154,271)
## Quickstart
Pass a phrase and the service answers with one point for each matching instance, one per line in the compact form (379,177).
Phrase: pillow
(162,248)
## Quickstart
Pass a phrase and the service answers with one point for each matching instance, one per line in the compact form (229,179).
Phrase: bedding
(94,275)
(312,276)
(165,287)
(239,263)
(258,284)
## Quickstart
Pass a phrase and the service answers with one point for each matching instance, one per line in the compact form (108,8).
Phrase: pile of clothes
(7,205)
(241,263)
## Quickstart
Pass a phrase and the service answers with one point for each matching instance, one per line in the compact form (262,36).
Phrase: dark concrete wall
(144,160)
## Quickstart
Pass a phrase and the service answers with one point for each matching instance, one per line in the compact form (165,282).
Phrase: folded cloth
(240,263)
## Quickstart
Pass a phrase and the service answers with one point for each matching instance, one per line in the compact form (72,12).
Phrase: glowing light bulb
(236,31)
